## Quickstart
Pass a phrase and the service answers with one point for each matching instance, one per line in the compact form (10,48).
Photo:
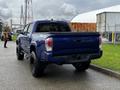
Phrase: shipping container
(83,27)
(108,22)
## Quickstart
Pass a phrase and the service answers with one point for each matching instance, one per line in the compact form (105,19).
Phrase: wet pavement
(16,75)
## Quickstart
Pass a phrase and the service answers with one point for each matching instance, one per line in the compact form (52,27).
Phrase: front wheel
(81,66)
(20,55)
(38,67)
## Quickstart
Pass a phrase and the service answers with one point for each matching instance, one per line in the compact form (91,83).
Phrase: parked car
(46,42)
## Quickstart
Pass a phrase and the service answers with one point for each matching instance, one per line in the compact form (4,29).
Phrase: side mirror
(24,33)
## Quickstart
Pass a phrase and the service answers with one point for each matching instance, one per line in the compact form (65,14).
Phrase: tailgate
(75,43)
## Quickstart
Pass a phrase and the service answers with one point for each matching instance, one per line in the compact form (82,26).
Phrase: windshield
(52,27)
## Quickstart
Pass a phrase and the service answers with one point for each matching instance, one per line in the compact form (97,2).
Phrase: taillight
(49,44)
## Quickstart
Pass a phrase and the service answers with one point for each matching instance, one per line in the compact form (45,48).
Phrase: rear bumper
(97,55)
(70,58)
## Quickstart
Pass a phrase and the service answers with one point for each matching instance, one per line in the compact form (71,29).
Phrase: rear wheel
(38,67)
(81,66)
(20,55)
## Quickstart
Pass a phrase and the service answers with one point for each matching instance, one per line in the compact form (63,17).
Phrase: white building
(106,19)
(90,17)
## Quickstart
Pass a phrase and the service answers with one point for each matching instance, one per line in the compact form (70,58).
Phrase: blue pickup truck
(48,41)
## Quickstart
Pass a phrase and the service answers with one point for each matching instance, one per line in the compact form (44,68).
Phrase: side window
(30,28)
(26,28)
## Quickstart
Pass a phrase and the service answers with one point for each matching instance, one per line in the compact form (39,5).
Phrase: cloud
(68,9)
(5,12)
(54,9)
(57,9)
(3,4)
(47,9)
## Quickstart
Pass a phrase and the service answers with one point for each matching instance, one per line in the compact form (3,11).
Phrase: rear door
(26,38)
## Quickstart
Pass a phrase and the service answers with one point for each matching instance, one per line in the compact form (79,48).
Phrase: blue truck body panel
(68,47)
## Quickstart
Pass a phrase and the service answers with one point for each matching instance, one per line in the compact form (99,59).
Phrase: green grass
(14,37)
(110,58)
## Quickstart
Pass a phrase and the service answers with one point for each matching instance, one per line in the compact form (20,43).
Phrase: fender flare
(33,46)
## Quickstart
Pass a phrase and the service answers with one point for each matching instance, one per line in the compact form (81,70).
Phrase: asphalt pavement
(16,75)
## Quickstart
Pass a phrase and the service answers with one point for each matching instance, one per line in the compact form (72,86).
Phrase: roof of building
(90,17)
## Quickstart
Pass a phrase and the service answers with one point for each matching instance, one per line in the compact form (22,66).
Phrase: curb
(106,71)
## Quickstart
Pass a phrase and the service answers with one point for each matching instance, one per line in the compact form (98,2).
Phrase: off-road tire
(81,66)
(20,55)
(38,67)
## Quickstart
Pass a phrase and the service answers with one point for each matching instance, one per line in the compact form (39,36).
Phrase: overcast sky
(58,9)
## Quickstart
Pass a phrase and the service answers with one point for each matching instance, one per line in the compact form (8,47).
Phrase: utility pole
(21,17)
(25,22)
(28,12)
(11,24)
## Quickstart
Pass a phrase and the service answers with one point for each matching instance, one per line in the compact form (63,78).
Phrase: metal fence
(111,37)
(110,34)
